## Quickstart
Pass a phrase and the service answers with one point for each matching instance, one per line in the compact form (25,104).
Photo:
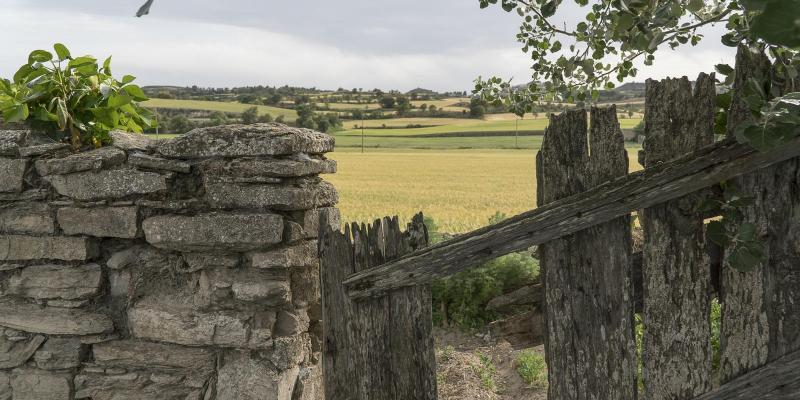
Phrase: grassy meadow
(459,189)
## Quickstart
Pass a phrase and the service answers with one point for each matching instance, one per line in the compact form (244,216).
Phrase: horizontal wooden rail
(666,181)
(778,380)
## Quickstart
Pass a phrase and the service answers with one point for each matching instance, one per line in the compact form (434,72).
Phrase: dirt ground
(464,369)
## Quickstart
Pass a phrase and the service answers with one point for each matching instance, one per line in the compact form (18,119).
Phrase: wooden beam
(778,380)
(665,181)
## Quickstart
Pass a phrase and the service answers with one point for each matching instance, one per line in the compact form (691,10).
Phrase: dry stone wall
(178,269)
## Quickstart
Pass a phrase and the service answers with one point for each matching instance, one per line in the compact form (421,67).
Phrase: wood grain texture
(668,180)
(761,314)
(676,347)
(589,342)
(778,380)
(382,348)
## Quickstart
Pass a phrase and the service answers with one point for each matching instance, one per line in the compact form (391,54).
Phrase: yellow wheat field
(459,189)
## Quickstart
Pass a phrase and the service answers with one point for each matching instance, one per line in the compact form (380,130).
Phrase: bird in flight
(145,9)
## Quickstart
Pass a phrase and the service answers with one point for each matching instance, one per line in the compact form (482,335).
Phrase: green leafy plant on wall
(75,98)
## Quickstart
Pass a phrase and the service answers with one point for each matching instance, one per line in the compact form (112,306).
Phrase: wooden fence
(376,319)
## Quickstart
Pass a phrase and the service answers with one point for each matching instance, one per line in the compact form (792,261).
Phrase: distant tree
(178,124)
(432,108)
(274,99)
(247,98)
(357,114)
(387,101)
(280,119)
(327,122)
(302,99)
(630,114)
(264,118)
(402,105)
(477,107)
(305,116)
(423,107)
(250,116)
(165,95)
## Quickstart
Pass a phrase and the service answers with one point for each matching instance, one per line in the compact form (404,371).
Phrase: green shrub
(460,300)
(73,97)
(532,368)
(486,371)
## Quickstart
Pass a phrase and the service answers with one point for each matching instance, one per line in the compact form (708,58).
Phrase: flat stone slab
(33,218)
(147,161)
(32,384)
(299,255)
(59,353)
(155,319)
(246,140)
(300,196)
(243,377)
(224,231)
(12,140)
(52,321)
(253,169)
(108,184)
(120,222)
(12,175)
(18,247)
(131,141)
(42,149)
(15,354)
(104,157)
(56,282)
(141,354)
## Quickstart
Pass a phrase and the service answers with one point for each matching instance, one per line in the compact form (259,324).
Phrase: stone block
(15,353)
(12,174)
(246,141)
(290,351)
(12,140)
(52,321)
(254,169)
(56,282)
(305,286)
(33,218)
(291,323)
(131,141)
(309,384)
(28,195)
(299,255)
(43,149)
(243,376)
(59,353)
(18,247)
(5,386)
(223,231)
(198,261)
(254,286)
(120,222)
(299,196)
(147,355)
(104,157)
(108,184)
(159,320)
(147,161)
(310,219)
(32,384)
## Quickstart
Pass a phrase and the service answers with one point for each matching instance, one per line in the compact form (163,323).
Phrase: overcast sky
(388,44)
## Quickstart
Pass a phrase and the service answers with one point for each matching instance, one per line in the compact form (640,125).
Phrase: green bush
(532,368)
(460,300)
(486,371)
(73,97)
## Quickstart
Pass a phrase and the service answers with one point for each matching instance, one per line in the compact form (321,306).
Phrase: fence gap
(589,340)
(377,348)
(676,276)
(761,314)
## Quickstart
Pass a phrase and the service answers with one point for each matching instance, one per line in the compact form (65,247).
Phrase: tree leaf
(62,113)
(39,56)
(779,23)
(61,51)
(18,113)
(118,100)
(136,92)
(716,232)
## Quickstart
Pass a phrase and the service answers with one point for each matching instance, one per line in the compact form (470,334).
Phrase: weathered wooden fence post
(376,348)
(589,343)
(761,308)
(676,346)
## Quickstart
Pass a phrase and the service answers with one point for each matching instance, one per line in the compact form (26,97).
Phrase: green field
(459,189)
(441,143)
(228,107)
